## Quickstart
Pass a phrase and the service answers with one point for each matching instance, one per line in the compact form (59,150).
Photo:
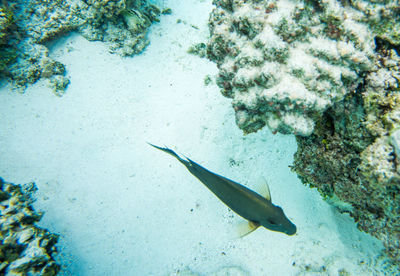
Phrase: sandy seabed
(124,208)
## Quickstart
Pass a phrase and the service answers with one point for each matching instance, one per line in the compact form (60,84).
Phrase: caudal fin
(170,151)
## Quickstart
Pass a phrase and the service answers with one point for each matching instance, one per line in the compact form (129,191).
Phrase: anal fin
(247,227)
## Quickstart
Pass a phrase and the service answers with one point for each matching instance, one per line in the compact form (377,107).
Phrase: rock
(122,24)
(25,249)
(284,62)
(352,155)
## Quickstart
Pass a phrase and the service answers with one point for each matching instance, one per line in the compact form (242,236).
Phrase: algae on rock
(38,22)
(285,62)
(8,53)
(352,153)
(25,249)
(311,68)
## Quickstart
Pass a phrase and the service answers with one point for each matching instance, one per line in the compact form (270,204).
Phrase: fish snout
(291,231)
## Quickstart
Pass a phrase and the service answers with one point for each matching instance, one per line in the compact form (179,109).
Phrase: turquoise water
(122,208)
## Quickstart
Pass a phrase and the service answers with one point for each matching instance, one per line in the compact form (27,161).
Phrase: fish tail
(170,151)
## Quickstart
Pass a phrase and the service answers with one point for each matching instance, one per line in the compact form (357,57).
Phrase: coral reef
(7,26)
(123,24)
(354,153)
(285,62)
(328,72)
(25,249)
(382,17)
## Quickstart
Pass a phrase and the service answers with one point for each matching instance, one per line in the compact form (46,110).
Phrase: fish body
(246,203)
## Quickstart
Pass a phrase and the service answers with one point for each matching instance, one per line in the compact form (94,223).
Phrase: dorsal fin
(262,188)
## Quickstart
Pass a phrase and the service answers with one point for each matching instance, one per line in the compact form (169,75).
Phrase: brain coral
(285,62)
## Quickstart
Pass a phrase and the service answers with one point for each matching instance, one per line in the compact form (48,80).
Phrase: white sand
(124,208)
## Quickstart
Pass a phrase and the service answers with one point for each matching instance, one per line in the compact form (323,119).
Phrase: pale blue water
(123,208)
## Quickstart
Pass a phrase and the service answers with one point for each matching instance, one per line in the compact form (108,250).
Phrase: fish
(258,210)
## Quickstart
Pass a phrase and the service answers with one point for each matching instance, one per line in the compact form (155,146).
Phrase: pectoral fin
(246,227)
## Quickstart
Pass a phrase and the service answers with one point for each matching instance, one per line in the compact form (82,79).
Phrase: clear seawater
(124,208)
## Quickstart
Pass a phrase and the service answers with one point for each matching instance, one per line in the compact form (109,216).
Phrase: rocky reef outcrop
(25,249)
(354,153)
(285,62)
(328,72)
(27,26)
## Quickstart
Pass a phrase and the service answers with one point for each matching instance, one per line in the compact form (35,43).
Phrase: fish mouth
(291,231)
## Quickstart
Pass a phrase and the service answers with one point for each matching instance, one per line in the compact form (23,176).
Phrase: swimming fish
(257,209)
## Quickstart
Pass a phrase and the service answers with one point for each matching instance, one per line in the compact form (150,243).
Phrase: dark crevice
(382,44)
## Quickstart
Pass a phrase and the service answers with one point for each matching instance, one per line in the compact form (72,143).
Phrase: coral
(328,72)
(311,68)
(383,17)
(25,249)
(6,23)
(7,26)
(123,24)
(58,84)
(285,62)
(33,64)
(353,153)
(198,50)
